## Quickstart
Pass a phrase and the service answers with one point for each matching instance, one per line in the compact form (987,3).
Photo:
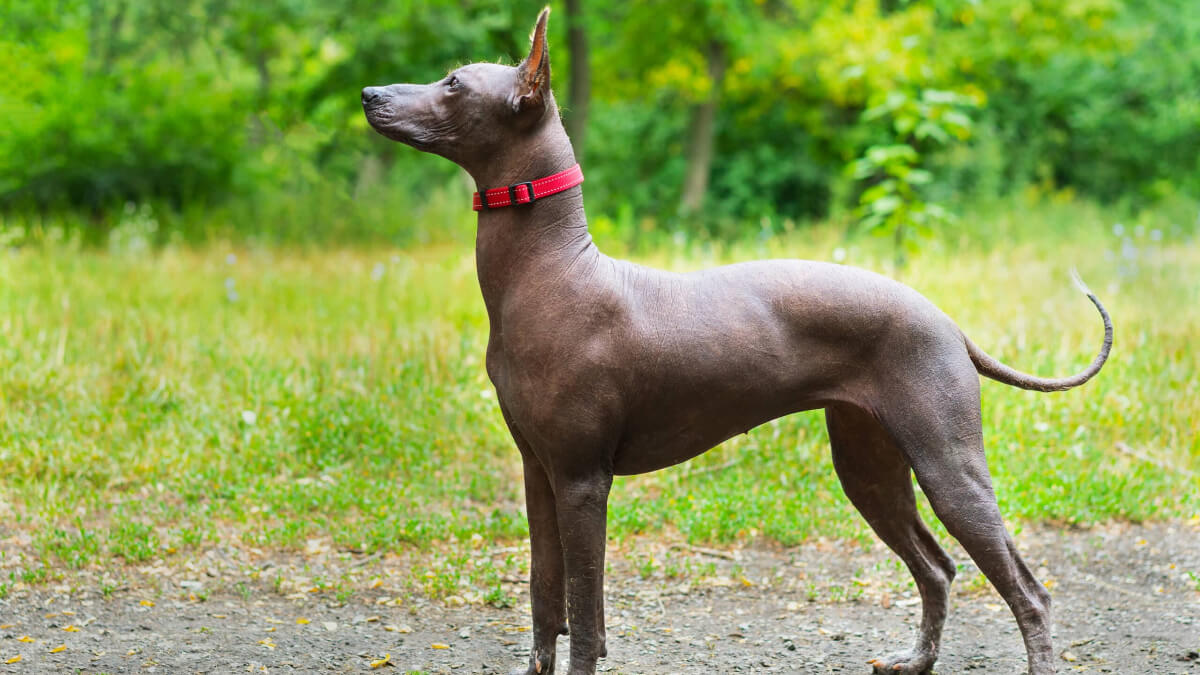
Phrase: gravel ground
(1126,601)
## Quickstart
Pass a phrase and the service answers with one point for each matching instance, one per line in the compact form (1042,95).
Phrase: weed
(645,565)
(35,575)
(76,548)
(497,598)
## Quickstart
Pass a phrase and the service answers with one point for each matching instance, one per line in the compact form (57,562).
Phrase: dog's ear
(533,75)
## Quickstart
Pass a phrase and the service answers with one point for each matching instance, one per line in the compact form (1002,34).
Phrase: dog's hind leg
(935,421)
(875,475)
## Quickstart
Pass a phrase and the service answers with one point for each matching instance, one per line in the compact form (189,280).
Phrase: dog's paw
(906,663)
(540,663)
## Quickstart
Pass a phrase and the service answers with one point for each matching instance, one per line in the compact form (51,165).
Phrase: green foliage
(248,112)
(893,204)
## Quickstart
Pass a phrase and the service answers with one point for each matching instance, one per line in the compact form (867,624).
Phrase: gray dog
(603,367)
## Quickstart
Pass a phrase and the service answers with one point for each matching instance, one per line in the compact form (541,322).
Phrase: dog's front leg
(547,583)
(582,505)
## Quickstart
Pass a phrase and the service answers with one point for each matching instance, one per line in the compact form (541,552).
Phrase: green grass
(156,402)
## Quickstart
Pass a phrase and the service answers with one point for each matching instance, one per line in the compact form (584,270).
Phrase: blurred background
(732,117)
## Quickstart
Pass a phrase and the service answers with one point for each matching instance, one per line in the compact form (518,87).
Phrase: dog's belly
(658,448)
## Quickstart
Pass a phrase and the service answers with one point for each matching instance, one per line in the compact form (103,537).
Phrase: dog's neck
(518,244)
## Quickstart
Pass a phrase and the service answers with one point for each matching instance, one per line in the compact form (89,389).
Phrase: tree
(580,79)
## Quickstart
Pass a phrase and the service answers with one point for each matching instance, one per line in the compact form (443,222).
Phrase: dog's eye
(452,82)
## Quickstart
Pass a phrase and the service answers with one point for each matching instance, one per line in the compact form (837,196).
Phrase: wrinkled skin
(603,367)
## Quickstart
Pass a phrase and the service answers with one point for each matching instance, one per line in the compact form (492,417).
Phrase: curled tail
(990,367)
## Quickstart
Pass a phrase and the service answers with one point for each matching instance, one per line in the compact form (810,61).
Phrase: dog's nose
(371,95)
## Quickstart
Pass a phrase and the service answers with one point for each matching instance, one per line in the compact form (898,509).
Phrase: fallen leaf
(67,612)
(377,583)
(146,603)
(267,643)
(439,645)
(25,638)
(134,650)
(15,659)
(70,628)
(387,658)
(746,582)
(6,625)
(273,620)
(51,615)
(271,629)
(302,621)
(1068,656)
(60,648)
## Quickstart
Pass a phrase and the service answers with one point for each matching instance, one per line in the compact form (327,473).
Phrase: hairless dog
(605,368)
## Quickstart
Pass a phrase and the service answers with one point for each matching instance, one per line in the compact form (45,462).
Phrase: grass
(157,401)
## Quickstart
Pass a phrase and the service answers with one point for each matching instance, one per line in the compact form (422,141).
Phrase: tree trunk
(581,78)
(702,133)
(104,41)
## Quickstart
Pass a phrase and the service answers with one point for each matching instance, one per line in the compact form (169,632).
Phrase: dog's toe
(907,663)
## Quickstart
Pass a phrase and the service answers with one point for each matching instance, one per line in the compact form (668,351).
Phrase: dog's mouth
(397,131)
(378,114)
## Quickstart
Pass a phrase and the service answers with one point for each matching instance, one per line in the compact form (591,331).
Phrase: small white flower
(839,254)
(486,393)
(377,272)
(231,259)
(249,416)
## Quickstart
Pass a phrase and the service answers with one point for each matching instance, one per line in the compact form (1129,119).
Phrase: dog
(603,367)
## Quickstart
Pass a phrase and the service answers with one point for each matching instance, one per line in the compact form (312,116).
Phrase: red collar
(528,192)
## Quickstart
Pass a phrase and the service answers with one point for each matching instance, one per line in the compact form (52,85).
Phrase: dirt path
(1126,601)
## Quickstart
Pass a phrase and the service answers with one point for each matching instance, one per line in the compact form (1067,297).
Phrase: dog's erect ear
(533,75)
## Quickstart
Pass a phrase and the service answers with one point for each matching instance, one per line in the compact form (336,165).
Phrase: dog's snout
(372,95)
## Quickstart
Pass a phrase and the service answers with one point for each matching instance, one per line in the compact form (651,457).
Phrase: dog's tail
(990,367)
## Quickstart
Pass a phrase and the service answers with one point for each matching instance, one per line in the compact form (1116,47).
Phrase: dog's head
(475,112)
